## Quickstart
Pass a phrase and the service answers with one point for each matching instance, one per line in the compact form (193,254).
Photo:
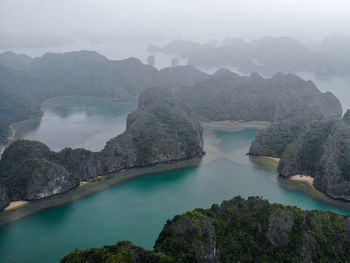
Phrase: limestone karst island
(174,131)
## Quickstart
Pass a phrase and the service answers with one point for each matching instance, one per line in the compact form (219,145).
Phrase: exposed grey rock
(279,227)
(319,148)
(83,163)
(161,130)
(29,171)
(4,199)
(46,178)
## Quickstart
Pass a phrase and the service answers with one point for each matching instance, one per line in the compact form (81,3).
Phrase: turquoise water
(138,209)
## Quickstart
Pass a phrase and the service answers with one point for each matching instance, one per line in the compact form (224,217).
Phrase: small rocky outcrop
(240,230)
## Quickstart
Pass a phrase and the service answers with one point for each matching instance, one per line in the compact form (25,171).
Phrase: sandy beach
(275,159)
(83,183)
(15,205)
(303,178)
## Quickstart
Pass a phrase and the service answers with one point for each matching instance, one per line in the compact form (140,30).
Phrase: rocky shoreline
(99,184)
(301,183)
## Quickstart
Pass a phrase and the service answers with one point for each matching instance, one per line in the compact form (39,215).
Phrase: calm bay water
(137,210)
(78,122)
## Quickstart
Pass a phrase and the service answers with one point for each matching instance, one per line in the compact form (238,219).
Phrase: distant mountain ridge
(267,55)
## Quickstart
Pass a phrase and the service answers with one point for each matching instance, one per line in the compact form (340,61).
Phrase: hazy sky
(190,19)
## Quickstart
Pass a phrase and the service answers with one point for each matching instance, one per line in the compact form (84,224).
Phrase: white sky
(190,19)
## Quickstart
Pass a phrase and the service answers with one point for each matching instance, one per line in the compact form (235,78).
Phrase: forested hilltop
(160,130)
(238,230)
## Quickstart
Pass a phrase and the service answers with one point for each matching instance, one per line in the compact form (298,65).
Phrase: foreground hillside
(161,130)
(238,230)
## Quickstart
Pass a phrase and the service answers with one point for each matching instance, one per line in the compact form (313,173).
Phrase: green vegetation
(161,130)
(24,85)
(123,252)
(315,147)
(239,230)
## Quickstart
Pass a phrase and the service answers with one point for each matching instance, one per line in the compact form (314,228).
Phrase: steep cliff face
(28,171)
(318,148)
(160,130)
(323,152)
(4,199)
(84,164)
(228,96)
(249,230)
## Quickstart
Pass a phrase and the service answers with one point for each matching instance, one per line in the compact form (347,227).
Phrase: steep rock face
(233,97)
(178,234)
(82,163)
(323,152)
(4,199)
(160,130)
(28,171)
(318,148)
(239,230)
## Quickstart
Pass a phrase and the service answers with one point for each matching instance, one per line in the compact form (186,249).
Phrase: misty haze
(174,131)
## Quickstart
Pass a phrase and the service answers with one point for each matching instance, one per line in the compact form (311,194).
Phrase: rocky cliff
(318,148)
(239,230)
(29,171)
(160,130)
(4,199)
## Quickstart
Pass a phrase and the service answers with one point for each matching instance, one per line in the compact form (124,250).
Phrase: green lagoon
(137,209)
